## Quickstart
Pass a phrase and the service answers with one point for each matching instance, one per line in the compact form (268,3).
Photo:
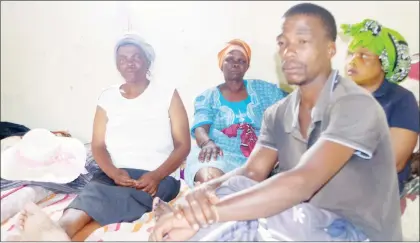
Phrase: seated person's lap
(101,196)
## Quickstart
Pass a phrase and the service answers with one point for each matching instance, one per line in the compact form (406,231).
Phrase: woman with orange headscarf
(228,117)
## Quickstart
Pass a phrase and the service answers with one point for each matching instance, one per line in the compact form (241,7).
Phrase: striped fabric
(53,205)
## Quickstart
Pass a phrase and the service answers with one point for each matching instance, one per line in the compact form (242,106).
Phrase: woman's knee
(73,220)
(207,174)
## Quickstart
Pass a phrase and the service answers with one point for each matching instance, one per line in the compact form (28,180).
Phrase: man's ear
(332,49)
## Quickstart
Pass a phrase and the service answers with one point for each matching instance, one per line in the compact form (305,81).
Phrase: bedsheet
(13,200)
(53,205)
(138,230)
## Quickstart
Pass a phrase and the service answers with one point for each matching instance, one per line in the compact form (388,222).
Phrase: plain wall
(56,57)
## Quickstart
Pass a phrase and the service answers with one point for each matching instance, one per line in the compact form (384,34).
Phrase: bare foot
(160,208)
(35,225)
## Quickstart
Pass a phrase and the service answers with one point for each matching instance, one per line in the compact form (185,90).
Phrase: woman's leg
(74,220)
(86,231)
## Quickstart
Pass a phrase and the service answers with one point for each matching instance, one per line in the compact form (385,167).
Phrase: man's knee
(207,174)
(235,184)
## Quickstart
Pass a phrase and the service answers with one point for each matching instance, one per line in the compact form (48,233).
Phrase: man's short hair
(312,9)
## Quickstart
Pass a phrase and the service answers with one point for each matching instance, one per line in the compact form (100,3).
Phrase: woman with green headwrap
(378,59)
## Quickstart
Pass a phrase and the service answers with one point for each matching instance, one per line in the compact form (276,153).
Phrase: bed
(54,204)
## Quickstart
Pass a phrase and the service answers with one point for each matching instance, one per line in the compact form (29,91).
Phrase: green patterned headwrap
(388,44)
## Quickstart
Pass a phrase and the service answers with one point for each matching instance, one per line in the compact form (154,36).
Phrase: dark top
(401,111)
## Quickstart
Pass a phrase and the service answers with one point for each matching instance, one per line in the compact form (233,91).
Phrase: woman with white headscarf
(140,138)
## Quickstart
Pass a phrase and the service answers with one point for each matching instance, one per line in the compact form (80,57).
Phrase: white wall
(57,56)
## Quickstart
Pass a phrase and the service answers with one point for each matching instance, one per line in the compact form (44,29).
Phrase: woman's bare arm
(202,134)
(100,154)
(180,136)
(403,143)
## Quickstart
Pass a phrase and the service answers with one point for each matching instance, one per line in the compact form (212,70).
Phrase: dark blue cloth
(401,111)
(8,129)
(107,203)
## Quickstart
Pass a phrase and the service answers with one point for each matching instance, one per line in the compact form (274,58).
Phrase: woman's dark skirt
(108,203)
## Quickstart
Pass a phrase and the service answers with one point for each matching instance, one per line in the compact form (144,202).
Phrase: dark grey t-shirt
(365,190)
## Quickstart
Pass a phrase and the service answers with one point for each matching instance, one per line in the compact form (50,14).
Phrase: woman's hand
(121,178)
(149,182)
(209,150)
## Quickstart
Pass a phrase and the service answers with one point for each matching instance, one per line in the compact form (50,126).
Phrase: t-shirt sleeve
(104,98)
(266,137)
(406,114)
(355,122)
(101,102)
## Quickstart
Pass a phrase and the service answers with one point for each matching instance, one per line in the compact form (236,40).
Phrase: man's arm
(284,190)
(180,136)
(349,132)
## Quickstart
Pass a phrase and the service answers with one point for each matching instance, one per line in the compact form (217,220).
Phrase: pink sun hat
(43,157)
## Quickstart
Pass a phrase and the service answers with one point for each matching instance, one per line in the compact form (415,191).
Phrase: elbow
(97,148)
(301,186)
(184,148)
(307,191)
(401,165)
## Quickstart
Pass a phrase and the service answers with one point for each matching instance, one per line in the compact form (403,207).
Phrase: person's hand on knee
(209,150)
(149,182)
(122,178)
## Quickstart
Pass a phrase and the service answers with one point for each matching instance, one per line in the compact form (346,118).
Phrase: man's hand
(169,228)
(199,208)
(149,182)
(121,178)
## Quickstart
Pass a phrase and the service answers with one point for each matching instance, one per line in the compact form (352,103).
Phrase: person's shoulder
(109,92)
(206,94)
(355,100)
(261,83)
(163,89)
(401,94)
(281,105)
(347,89)
(267,87)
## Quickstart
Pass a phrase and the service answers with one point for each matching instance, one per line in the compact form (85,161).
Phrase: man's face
(304,48)
(363,66)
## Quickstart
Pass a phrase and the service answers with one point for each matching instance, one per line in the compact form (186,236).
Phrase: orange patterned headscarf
(235,44)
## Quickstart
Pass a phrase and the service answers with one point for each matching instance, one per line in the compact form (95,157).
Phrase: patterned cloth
(248,137)
(411,187)
(212,109)
(388,44)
